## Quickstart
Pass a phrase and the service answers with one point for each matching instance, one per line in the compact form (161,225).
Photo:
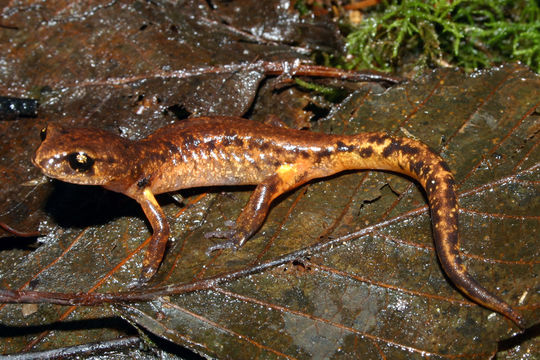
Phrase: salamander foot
(234,238)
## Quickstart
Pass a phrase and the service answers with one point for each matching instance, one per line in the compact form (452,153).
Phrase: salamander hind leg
(251,218)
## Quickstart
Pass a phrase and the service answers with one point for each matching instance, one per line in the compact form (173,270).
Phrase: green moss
(471,34)
(301,7)
(330,93)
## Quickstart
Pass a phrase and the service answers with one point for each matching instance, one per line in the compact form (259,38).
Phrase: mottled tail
(410,157)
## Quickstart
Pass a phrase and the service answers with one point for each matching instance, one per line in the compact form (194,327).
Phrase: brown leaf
(378,289)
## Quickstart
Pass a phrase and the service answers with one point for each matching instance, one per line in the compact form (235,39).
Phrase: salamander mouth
(34,161)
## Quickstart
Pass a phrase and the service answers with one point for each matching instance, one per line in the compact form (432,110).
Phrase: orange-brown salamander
(234,151)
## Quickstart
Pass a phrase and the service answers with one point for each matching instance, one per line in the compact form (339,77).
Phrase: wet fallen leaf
(369,287)
(377,290)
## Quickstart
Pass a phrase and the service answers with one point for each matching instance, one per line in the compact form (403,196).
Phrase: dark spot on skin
(211,145)
(158,154)
(444,165)
(398,146)
(378,139)
(450,196)
(189,140)
(322,154)
(425,170)
(238,142)
(418,167)
(342,147)
(144,182)
(410,150)
(366,152)
(391,149)
(264,146)
(304,154)
(435,217)
(449,180)
(431,184)
(172,148)
(278,151)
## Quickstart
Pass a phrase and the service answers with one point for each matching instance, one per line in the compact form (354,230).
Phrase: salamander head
(82,156)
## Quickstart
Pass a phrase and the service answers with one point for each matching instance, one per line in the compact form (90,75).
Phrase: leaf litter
(375,288)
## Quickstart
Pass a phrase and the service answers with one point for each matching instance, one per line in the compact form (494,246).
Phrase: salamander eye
(80,161)
(43,133)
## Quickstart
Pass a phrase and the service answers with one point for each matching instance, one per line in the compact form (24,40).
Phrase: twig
(18,233)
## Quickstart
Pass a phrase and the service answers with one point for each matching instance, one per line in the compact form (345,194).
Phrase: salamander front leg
(158,242)
(252,216)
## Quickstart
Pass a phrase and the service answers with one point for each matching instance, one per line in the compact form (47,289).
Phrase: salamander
(217,151)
